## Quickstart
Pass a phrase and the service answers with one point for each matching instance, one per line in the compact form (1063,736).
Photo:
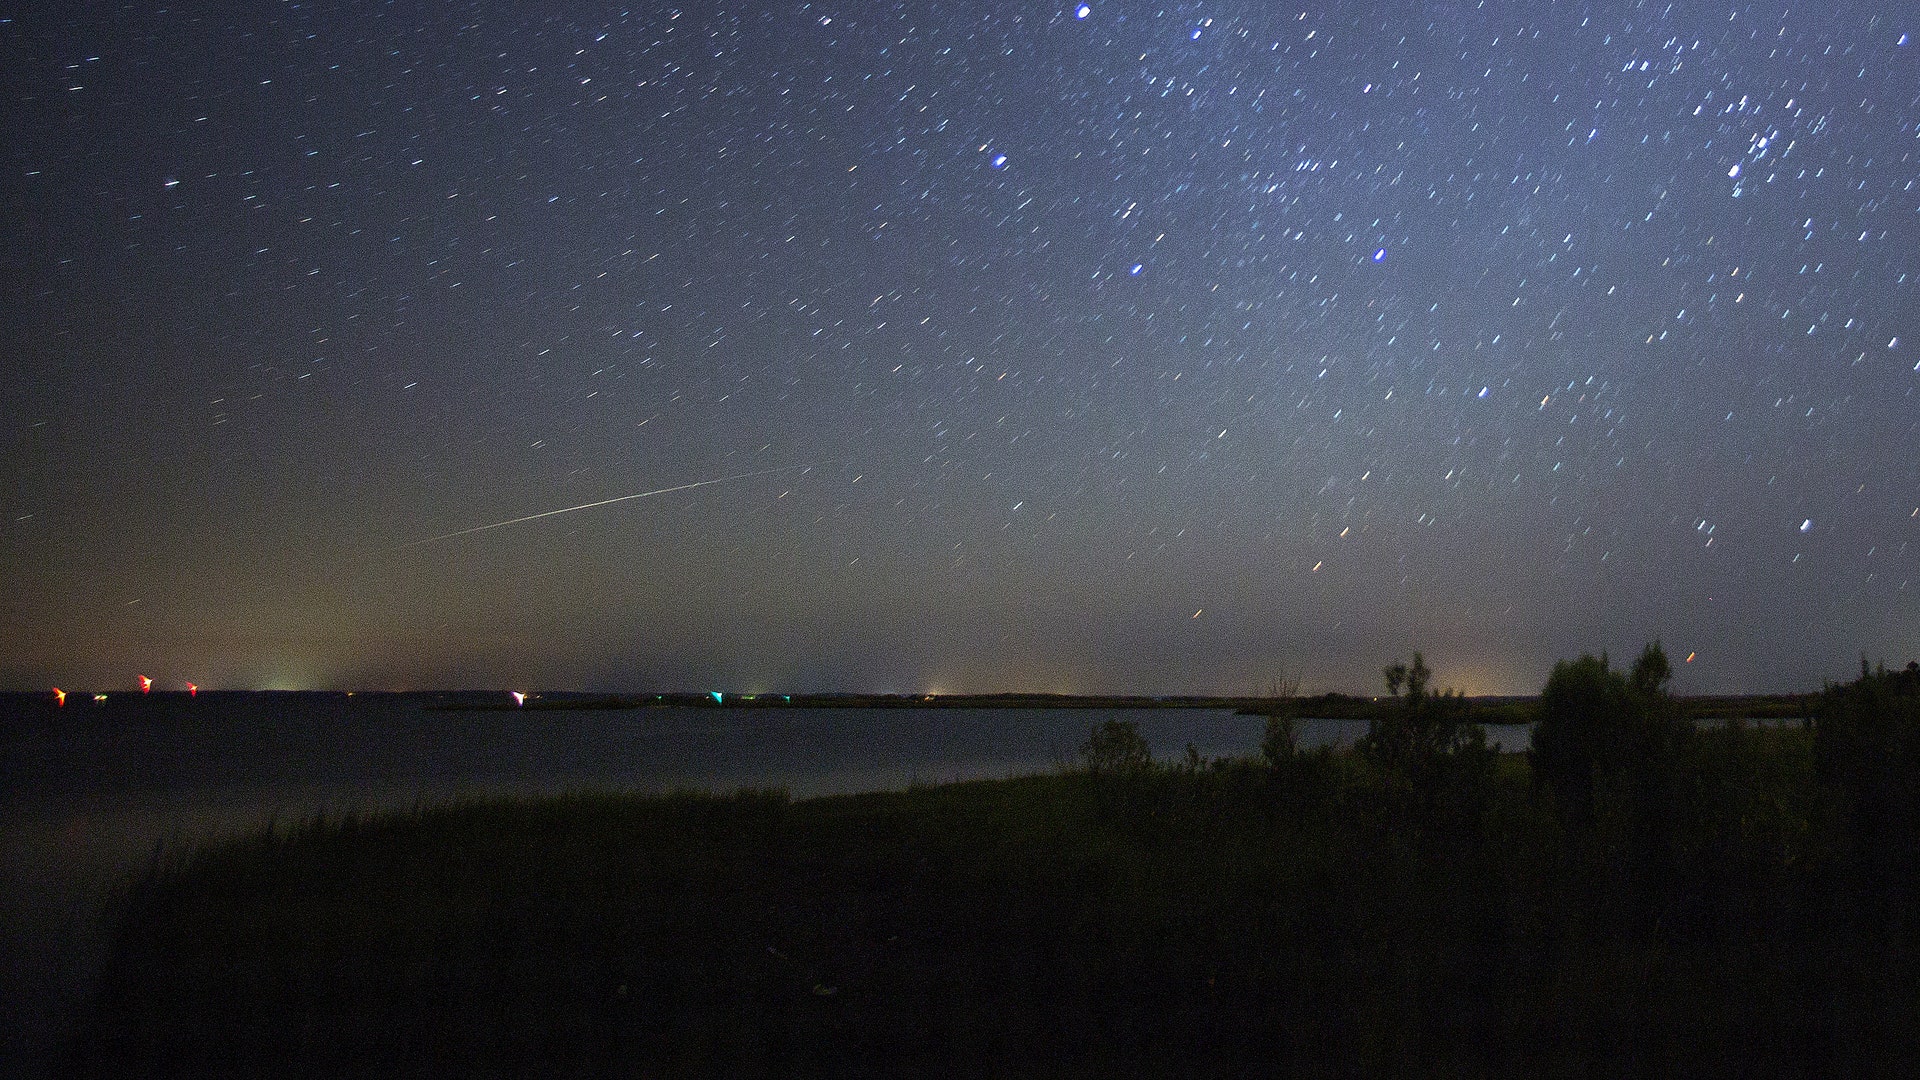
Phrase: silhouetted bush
(1278,742)
(1867,746)
(1116,748)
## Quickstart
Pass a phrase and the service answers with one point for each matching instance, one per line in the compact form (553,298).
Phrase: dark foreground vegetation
(1642,897)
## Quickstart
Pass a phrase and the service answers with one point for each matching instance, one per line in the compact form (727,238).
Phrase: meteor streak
(608,502)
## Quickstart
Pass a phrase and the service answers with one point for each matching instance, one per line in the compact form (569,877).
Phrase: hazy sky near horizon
(1144,347)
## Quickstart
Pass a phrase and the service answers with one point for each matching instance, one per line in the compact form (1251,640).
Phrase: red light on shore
(193,689)
(59,697)
(146,684)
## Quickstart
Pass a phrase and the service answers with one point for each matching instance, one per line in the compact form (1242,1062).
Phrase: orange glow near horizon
(146,684)
(59,697)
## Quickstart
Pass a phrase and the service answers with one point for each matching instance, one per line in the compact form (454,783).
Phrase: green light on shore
(716,696)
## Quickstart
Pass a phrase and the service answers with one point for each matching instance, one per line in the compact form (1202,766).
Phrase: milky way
(1502,331)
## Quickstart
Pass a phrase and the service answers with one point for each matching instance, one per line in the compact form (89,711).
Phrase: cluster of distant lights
(99,697)
(519,697)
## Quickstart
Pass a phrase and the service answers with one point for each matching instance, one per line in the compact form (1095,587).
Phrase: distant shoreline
(1489,709)
(1504,709)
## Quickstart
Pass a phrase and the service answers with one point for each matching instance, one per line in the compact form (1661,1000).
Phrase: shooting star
(609,502)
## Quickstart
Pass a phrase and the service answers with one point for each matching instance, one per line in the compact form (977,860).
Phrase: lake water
(88,792)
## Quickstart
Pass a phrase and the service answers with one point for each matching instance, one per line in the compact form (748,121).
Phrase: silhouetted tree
(1651,672)
(1422,724)
(1414,678)
(1426,742)
(1596,722)
(1616,758)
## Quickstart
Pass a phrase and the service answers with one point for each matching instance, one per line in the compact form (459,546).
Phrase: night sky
(1134,347)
